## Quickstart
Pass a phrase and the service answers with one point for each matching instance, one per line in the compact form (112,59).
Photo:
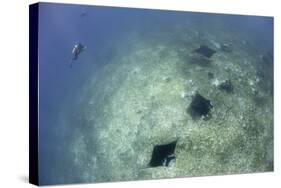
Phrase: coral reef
(136,105)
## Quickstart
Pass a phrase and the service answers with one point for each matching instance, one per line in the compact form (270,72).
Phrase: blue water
(101,29)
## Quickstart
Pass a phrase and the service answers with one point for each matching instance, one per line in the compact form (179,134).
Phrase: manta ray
(205,51)
(162,155)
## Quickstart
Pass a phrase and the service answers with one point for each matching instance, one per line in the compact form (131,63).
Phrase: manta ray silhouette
(205,51)
(200,106)
(163,154)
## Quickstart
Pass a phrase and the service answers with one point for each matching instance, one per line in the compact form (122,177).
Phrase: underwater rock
(267,58)
(205,51)
(226,86)
(83,14)
(210,75)
(215,82)
(215,44)
(167,79)
(199,107)
(183,95)
(162,155)
(138,111)
(226,48)
(200,60)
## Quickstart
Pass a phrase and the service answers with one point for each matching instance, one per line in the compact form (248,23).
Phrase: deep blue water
(61,26)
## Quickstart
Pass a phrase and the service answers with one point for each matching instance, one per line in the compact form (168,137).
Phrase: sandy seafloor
(135,93)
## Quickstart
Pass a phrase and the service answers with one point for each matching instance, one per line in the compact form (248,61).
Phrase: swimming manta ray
(162,155)
(205,51)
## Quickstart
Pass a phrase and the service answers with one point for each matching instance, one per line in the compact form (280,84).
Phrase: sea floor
(206,92)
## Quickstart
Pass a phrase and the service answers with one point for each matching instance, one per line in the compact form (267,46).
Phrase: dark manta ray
(162,155)
(199,106)
(205,51)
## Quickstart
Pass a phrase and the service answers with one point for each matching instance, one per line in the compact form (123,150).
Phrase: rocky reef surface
(186,101)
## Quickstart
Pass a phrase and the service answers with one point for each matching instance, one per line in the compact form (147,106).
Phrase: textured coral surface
(143,98)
